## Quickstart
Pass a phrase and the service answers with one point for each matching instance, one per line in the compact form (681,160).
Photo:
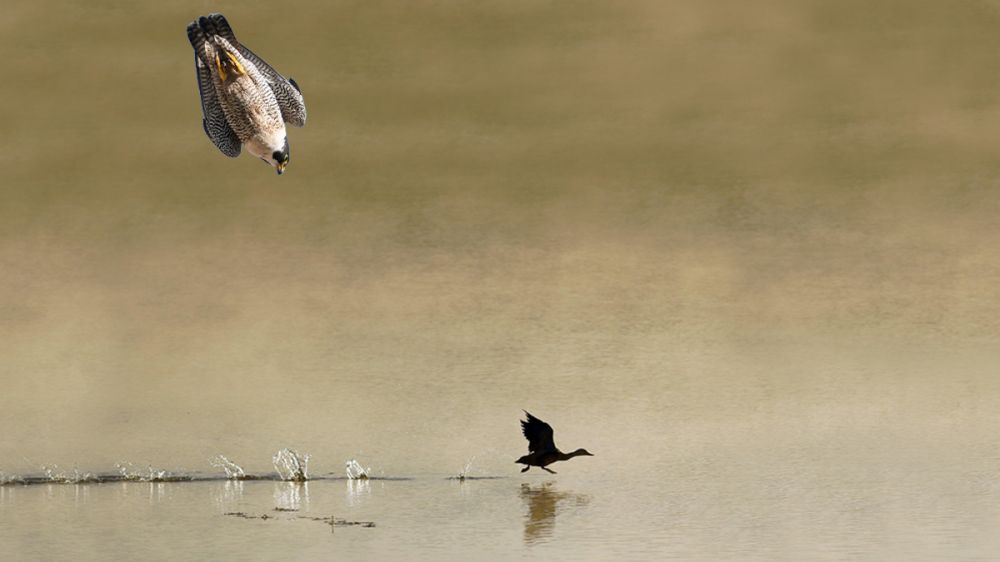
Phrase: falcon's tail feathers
(216,24)
(203,29)
(196,36)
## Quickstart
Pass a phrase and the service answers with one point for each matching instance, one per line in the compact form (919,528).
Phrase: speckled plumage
(244,101)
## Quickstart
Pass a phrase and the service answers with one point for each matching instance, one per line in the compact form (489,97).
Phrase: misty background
(678,228)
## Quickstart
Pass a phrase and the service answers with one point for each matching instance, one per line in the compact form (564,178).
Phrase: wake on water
(128,472)
(289,466)
(466,473)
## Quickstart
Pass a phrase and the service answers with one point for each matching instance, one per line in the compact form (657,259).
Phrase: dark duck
(542,450)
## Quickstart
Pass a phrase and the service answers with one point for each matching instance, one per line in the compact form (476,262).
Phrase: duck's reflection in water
(544,502)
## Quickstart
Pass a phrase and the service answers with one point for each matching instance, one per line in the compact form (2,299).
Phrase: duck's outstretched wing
(538,434)
(286,91)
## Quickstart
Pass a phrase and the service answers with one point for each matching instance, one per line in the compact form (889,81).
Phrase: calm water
(745,254)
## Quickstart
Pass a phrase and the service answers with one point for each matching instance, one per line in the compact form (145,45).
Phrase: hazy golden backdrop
(684,228)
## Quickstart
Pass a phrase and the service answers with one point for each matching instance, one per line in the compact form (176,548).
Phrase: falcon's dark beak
(280,166)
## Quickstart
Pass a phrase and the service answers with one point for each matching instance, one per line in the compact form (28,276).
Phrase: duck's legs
(526,467)
(547,470)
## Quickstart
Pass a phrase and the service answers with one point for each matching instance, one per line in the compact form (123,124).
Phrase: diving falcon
(244,101)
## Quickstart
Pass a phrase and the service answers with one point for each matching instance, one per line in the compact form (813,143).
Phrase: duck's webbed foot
(526,467)
(549,471)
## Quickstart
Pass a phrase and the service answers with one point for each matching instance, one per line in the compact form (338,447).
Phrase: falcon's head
(274,152)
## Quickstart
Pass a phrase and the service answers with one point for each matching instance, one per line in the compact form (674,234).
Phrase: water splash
(128,471)
(291,466)
(10,479)
(464,473)
(54,474)
(355,471)
(467,473)
(233,470)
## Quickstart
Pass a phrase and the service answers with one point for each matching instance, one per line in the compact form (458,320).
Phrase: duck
(542,450)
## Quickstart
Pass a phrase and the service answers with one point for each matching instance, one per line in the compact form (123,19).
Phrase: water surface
(744,253)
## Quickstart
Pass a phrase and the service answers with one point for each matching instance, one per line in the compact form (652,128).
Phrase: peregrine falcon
(244,102)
